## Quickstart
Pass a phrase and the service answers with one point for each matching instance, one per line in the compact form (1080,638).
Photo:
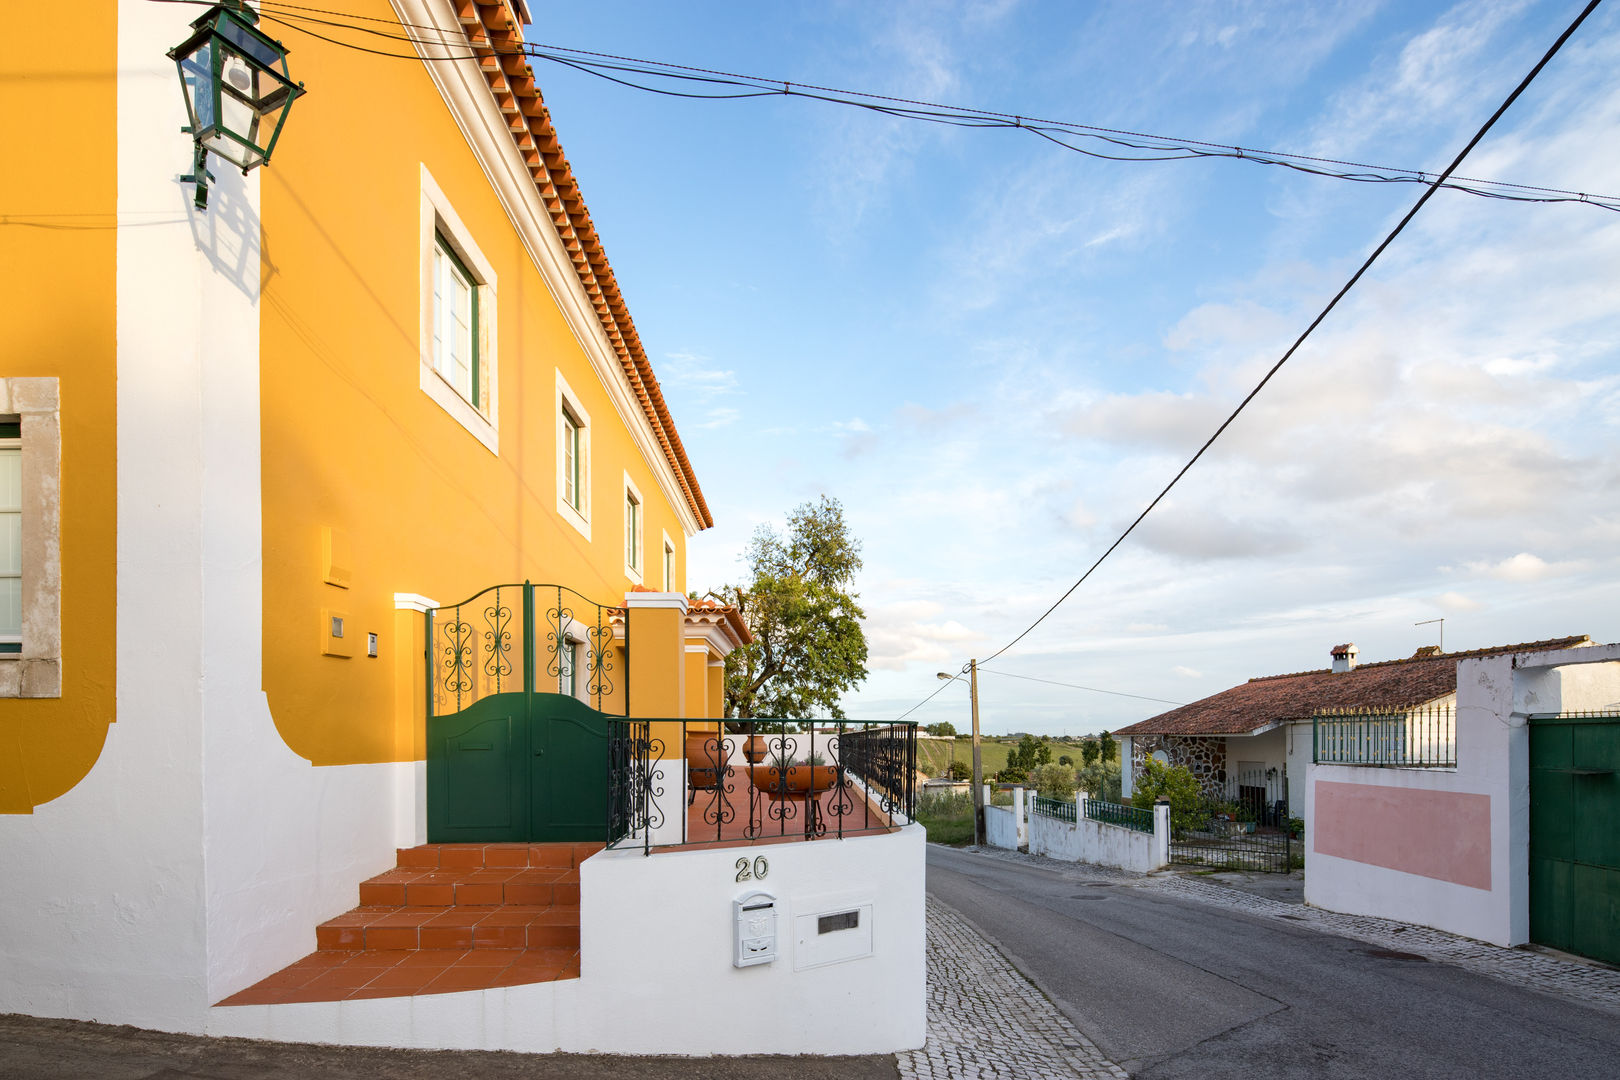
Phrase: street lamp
(978,762)
(237,88)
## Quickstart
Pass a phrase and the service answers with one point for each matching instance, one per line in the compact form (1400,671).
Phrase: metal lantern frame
(237,88)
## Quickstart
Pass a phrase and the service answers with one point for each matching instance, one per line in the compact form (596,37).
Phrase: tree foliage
(1029,754)
(1100,780)
(1089,750)
(808,648)
(944,727)
(961,770)
(1053,781)
(1175,783)
(1108,746)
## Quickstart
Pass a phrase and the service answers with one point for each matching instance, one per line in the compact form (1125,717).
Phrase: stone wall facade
(1204,756)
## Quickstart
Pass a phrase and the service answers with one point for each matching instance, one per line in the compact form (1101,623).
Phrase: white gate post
(1161,833)
(1020,815)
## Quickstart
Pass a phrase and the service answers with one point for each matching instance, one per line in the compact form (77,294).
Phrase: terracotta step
(511,926)
(476,886)
(566,856)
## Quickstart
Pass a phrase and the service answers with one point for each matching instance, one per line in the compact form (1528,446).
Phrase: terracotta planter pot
(754,749)
(799,779)
(702,751)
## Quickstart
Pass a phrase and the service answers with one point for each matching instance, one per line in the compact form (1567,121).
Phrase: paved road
(1170,988)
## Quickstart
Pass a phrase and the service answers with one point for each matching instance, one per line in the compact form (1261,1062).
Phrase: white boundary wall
(1495,695)
(1001,826)
(657,976)
(1100,843)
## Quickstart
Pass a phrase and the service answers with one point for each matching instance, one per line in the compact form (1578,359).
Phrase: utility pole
(978,761)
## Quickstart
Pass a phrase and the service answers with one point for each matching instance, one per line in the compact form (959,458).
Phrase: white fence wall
(1084,840)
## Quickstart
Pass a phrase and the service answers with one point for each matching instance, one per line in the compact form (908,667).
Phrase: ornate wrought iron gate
(1250,831)
(513,752)
(1574,845)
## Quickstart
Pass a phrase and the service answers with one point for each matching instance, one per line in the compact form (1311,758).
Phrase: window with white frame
(669,564)
(455,321)
(459,357)
(573,459)
(632,530)
(11,507)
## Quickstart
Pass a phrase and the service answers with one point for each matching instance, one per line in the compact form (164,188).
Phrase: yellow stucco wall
(351,441)
(58,246)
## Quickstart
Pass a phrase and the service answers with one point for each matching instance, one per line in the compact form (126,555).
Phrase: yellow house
(306,497)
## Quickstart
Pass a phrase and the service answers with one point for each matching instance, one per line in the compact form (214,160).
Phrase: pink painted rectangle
(1445,835)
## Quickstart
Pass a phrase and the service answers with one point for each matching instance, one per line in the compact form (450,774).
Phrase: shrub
(1176,784)
(944,727)
(1065,759)
(1012,774)
(1054,782)
(961,770)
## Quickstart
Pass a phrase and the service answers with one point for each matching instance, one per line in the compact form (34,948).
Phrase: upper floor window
(455,321)
(573,459)
(459,358)
(632,531)
(30,538)
(669,565)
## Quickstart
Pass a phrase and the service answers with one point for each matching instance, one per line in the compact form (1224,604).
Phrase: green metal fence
(1130,817)
(1061,809)
(1419,738)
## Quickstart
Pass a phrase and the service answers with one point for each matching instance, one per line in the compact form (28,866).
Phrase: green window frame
(632,531)
(572,485)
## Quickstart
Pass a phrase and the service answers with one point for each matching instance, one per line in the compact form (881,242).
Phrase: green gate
(1574,841)
(513,753)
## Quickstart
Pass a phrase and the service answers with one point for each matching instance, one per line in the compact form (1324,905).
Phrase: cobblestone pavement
(987,1020)
(1590,984)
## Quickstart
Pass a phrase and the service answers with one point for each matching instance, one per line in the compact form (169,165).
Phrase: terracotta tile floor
(332,975)
(776,821)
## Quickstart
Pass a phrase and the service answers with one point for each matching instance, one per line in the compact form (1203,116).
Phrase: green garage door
(1575,834)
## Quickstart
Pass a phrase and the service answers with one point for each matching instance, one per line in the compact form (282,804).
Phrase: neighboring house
(271,476)
(1252,743)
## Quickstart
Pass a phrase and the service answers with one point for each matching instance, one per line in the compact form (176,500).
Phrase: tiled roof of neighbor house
(494,30)
(1270,699)
(729,612)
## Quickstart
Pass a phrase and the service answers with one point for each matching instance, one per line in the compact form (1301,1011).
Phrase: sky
(994,352)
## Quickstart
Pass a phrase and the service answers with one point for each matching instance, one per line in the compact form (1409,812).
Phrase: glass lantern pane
(197,76)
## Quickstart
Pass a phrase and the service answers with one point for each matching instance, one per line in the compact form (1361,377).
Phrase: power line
(1077,686)
(1333,303)
(937,691)
(1147,147)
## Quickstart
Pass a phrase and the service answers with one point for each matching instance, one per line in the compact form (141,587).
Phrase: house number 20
(759,870)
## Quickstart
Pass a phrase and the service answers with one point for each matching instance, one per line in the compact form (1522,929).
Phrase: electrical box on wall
(753,929)
(335,638)
(832,934)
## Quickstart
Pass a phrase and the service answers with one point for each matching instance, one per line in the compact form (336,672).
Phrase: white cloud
(1522,567)
(1187,672)
(1456,603)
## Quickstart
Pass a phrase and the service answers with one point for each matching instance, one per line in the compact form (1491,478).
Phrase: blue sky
(995,351)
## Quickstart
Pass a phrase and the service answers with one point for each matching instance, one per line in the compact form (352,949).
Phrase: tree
(1089,751)
(1175,783)
(961,770)
(1053,782)
(808,648)
(944,727)
(1065,759)
(1100,779)
(1107,746)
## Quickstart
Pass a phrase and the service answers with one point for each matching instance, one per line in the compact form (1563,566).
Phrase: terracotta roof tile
(1271,699)
(494,32)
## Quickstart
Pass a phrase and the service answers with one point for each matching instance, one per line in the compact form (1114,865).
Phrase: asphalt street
(1171,988)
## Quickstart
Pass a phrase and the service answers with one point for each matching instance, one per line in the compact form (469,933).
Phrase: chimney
(1344,657)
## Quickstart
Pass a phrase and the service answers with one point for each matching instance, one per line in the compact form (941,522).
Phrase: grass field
(934,756)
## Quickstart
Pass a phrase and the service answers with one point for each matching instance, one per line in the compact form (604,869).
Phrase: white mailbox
(754,929)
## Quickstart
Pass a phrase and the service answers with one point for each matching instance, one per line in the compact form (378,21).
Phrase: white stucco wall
(657,975)
(1001,827)
(1101,844)
(199,853)
(1495,695)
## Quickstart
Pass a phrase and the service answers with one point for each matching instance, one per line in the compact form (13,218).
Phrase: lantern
(237,90)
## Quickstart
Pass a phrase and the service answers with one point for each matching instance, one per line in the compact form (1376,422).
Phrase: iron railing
(746,780)
(1061,809)
(532,638)
(1419,738)
(1129,817)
